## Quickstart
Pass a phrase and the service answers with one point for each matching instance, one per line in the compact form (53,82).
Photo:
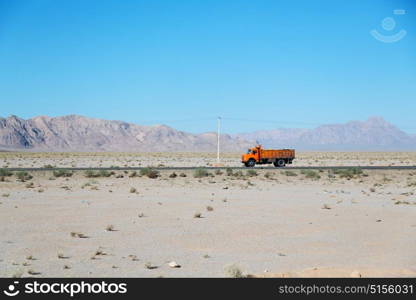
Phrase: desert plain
(207,223)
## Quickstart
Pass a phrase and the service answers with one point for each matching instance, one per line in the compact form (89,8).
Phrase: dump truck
(258,155)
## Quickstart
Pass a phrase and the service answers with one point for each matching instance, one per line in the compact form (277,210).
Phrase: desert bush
(218,172)
(149,172)
(30,185)
(200,172)
(311,174)
(182,175)
(133,190)
(290,173)
(402,202)
(5,173)
(233,271)
(153,174)
(62,173)
(86,184)
(101,173)
(48,166)
(144,171)
(104,173)
(252,173)
(90,174)
(173,175)
(23,176)
(238,174)
(229,172)
(133,174)
(349,173)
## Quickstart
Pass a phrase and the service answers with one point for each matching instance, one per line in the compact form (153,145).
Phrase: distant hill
(373,134)
(78,133)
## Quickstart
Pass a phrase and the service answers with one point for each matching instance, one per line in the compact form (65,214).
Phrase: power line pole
(218,139)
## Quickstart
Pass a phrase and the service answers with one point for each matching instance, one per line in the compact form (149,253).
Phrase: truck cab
(253,154)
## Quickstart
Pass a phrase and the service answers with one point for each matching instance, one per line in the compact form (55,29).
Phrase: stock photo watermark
(70,289)
(389,24)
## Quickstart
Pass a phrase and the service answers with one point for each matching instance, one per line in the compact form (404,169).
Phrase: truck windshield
(248,151)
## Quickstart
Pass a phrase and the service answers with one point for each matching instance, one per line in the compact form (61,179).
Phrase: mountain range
(374,134)
(78,133)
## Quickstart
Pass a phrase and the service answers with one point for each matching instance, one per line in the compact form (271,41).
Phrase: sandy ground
(29,159)
(269,224)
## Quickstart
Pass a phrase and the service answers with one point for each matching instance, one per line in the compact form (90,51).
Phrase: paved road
(214,168)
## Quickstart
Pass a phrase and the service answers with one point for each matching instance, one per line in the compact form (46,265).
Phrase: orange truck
(258,155)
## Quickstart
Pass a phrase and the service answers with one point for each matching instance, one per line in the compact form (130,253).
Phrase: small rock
(326,206)
(173,264)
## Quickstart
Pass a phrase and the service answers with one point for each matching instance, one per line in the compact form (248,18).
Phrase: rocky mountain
(372,134)
(77,133)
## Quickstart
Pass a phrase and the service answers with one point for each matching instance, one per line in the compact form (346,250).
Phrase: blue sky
(259,64)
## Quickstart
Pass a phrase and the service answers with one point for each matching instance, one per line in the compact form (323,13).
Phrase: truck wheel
(279,163)
(251,163)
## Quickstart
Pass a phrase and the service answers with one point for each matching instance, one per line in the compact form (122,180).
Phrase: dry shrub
(149,172)
(349,173)
(311,174)
(252,173)
(62,173)
(23,176)
(233,271)
(201,172)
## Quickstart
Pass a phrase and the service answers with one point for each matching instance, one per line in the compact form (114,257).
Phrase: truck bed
(283,153)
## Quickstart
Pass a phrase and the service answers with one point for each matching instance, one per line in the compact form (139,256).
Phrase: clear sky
(259,64)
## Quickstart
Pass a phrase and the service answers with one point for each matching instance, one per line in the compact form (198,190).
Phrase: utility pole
(218,139)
